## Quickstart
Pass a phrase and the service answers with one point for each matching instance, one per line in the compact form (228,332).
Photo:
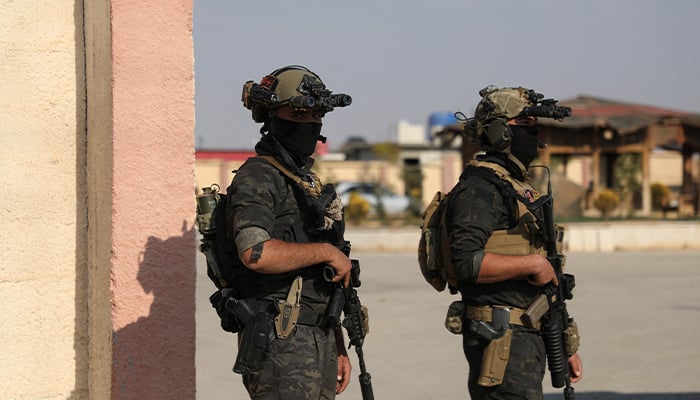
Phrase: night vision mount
(317,96)
(544,108)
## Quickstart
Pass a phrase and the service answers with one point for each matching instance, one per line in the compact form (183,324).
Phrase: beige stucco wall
(666,167)
(43,230)
(96,164)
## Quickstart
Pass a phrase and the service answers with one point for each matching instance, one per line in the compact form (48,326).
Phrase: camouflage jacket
(476,208)
(264,204)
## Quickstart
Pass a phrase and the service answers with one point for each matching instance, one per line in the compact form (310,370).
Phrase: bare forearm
(498,268)
(278,256)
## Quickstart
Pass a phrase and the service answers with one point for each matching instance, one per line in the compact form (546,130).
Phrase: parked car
(393,203)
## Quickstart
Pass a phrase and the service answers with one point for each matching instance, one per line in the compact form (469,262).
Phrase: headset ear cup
(498,134)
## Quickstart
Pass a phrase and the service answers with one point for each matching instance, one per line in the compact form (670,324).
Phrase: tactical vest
(312,201)
(526,237)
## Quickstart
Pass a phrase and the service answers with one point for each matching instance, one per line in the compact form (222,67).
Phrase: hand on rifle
(543,272)
(344,366)
(342,266)
(575,368)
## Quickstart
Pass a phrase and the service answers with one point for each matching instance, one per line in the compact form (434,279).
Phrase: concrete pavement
(638,315)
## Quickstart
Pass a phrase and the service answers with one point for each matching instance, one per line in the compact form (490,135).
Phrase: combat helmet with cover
(294,85)
(489,126)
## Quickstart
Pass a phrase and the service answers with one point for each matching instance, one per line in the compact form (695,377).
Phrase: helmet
(294,85)
(503,103)
(489,126)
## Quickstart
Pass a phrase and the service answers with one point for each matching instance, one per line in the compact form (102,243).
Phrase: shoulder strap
(523,190)
(314,199)
(312,185)
(527,198)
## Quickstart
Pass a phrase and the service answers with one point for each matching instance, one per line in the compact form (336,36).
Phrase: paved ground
(638,314)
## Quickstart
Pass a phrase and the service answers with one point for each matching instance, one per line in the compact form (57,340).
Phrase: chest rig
(525,234)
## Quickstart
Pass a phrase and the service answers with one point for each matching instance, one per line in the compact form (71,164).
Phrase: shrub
(660,195)
(357,208)
(606,201)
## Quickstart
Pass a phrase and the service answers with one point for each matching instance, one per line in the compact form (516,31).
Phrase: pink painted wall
(153,241)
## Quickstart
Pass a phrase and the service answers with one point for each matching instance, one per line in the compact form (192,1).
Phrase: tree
(627,177)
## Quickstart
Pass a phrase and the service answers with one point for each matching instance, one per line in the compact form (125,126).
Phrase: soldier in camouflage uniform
(287,226)
(498,265)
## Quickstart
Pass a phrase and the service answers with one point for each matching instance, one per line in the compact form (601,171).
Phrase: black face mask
(524,144)
(298,138)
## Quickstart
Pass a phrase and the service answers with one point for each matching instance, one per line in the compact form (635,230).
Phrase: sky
(403,60)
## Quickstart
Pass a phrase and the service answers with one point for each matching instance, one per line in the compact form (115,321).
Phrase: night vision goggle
(318,97)
(544,108)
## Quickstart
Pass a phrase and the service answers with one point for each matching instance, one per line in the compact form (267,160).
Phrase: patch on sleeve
(257,252)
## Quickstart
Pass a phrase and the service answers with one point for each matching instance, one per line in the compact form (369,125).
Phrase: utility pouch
(495,360)
(454,321)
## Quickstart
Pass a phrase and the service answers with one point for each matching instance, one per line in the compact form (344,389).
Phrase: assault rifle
(356,321)
(550,305)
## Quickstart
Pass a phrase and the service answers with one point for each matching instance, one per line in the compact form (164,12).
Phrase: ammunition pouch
(572,340)
(495,360)
(534,313)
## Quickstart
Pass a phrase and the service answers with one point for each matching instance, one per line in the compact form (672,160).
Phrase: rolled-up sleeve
(251,206)
(249,237)
(472,215)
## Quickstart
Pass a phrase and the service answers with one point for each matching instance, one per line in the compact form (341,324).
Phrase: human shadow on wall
(153,357)
(627,396)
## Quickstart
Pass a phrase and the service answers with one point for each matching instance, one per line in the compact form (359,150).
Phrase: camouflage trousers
(302,367)
(524,372)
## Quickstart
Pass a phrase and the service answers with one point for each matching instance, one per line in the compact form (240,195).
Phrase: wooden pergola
(604,129)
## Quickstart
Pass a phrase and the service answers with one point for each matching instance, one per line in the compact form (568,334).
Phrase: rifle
(345,300)
(551,304)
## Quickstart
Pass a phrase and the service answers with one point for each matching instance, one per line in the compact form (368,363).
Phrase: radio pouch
(495,360)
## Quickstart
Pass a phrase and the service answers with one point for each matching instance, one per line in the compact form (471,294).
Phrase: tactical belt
(306,315)
(310,318)
(484,313)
